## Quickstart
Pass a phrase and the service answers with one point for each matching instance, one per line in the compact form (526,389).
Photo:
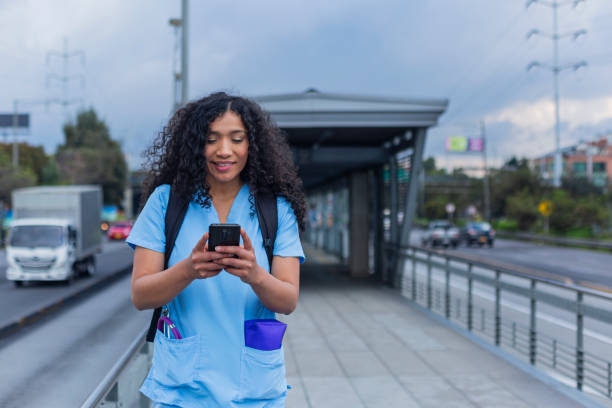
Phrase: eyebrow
(231,132)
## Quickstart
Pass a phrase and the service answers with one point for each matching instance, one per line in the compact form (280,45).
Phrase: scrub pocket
(175,361)
(262,374)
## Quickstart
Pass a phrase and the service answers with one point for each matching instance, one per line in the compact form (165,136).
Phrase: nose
(224,148)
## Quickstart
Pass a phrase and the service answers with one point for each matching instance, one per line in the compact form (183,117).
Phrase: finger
(246,239)
(209,274)
(228,249)
(201,245)
(234,263)
(236,272)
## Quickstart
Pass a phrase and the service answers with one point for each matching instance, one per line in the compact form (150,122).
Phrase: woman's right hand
(203,261)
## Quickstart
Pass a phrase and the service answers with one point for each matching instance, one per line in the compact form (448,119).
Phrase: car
(119,230)
(441,233)
(479,233)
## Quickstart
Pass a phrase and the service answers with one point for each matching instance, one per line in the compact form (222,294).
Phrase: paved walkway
(353,343)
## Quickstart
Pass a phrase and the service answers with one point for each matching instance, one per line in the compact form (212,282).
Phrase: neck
(224,191)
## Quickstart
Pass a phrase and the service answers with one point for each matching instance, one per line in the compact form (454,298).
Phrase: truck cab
(41,249)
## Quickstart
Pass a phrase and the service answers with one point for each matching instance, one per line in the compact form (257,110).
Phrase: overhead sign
(461,144)
(475,145)
(456,144)
(7,120)
(545,208)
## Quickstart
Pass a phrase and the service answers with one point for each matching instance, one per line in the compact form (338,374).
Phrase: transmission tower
(65,77)
(556,69)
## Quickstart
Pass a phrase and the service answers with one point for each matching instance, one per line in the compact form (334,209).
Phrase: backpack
(267,213)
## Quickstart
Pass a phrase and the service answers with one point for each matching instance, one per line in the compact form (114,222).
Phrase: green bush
(505,225)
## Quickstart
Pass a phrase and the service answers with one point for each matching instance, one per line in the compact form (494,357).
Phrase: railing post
(482,320)
(609,380)
(579,341)
(554,344)
(532,323)
(429,280)
(413,288)
(513,335)
(469,301)
(497,309)
(447,296)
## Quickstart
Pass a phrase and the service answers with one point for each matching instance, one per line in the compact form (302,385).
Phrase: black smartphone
(223,235)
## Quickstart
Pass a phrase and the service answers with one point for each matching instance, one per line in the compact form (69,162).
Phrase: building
(591,160)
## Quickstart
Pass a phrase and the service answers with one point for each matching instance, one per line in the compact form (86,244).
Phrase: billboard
(23,120)
(462,144)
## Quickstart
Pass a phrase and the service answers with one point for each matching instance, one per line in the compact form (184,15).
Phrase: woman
(218,152)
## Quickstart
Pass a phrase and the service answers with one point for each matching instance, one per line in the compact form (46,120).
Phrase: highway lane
(581,266)
(59,363)
(19,302)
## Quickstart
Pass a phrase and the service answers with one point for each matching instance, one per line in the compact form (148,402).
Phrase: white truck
(55,233)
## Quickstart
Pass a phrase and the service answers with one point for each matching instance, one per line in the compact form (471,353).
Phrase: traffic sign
(545,208)
(450,208)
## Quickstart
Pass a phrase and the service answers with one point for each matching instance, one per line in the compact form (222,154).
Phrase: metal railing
(507,307)
(119,388)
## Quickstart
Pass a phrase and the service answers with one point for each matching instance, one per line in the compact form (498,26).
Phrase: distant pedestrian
(218,152)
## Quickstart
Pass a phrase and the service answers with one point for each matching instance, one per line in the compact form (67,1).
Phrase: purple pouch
(264,334)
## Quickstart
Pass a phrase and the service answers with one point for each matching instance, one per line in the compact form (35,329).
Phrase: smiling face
(227,148)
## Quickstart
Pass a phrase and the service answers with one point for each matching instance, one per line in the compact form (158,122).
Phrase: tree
(90,156)
(522,208)
(514,177)
(31,158)
(11,178)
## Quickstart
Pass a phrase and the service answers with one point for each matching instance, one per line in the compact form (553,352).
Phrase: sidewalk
(352,343)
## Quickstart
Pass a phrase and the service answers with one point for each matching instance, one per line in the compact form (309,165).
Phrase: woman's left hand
(245,265)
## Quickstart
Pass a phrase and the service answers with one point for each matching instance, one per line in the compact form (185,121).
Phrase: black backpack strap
(175,213)
(267,214)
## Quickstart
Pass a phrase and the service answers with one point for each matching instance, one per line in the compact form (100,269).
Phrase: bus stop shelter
(354,141)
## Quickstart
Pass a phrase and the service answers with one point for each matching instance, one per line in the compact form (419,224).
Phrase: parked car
(119,230)
(441,233)
(479,233)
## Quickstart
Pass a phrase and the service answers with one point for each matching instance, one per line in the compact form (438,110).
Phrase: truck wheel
(18,283)
(90,267)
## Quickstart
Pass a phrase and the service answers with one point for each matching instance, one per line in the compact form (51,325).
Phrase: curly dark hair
(176,156)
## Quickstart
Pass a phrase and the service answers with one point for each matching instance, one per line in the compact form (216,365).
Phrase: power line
(478,62)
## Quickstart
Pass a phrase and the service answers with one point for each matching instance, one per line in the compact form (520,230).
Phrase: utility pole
(485,179)
(181,78)
(556,68)
(184,51)
(66,55)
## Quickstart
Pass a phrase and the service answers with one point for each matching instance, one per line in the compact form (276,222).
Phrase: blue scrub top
(210,366)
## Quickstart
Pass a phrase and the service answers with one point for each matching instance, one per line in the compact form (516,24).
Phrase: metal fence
(507,307)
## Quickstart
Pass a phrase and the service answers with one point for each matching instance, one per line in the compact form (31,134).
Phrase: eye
(211,139)
(237,139)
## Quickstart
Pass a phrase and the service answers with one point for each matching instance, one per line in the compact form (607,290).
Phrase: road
(19,302)
(59,363)
(581,266)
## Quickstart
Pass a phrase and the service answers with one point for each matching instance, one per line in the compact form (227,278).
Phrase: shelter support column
(411,198)
(358,224)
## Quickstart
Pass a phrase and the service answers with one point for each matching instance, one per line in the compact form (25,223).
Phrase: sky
(472,52)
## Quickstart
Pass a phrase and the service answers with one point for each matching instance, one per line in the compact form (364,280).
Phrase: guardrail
(441,282)
(119,388)
(526,236)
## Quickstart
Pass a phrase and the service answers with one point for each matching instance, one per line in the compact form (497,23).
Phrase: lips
(223,166)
